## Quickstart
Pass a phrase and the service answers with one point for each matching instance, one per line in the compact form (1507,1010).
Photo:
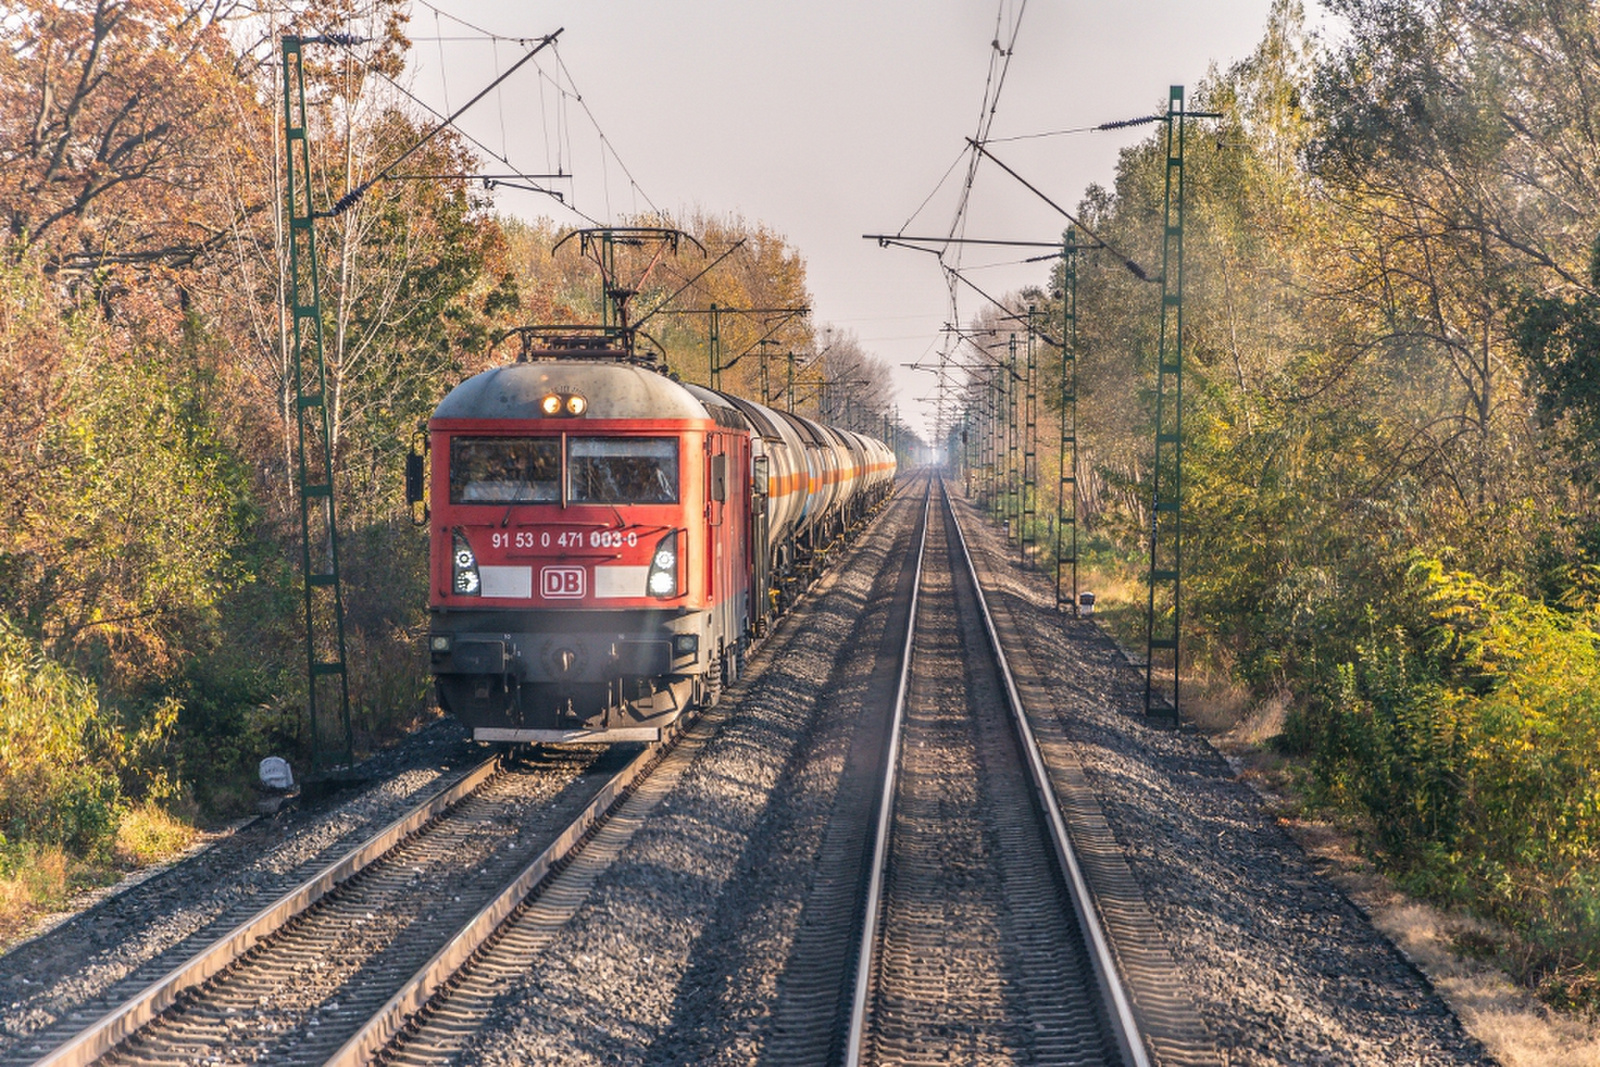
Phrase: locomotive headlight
(663,578)
(464,580)
(563,404)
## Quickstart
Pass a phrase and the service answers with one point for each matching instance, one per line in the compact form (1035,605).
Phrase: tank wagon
(606,541)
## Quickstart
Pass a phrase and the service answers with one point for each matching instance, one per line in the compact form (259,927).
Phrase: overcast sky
(829,119)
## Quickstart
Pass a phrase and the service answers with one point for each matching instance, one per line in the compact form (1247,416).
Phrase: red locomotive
(606,540)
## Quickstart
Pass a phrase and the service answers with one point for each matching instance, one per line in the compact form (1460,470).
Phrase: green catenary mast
(328,689)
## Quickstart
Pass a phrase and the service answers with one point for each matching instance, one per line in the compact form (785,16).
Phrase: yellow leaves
(1523,642)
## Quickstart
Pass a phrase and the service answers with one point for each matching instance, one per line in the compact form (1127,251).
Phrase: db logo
(557,583)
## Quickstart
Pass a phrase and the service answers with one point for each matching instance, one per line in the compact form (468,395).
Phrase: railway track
(399,946)
(983,943)
(947,921)
(327,972)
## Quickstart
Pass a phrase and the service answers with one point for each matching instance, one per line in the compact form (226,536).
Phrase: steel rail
(880,849)
(1120,1008)
(368,1043)
(365,1045)
(122,1022)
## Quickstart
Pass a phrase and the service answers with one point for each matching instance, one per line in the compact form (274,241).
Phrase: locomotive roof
(613,390)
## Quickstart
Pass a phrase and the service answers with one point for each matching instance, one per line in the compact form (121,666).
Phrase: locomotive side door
(716,507)
(718,551)
(716,517)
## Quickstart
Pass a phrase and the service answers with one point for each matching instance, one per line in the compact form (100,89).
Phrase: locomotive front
(586,523)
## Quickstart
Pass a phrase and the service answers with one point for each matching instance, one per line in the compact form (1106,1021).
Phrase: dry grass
(1513,1025)
(38,880)
(1215,702)
(1242,720)
(149,834)
(1516,1028)
(1120,605)
(33,882)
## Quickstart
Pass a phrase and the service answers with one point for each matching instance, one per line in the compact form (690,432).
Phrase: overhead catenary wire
(1010,313)
(991,103)
(676,293)
(344,202)
(954,163)
(1120,124)
(1045,133)
(544,126)
(605,141)
(481,33)
(514,175)
(987,114)
(994,84)
(955,238)
(1127,261)
(500,102)
(444,79)
(565,92)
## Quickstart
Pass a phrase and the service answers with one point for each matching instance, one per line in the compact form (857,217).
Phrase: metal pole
(1013,442)
(1163,622)
(995,440)
(1030,447)
(714,348)
(1067,488)
(327,678)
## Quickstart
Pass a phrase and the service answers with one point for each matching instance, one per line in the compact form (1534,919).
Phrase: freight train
(607,541)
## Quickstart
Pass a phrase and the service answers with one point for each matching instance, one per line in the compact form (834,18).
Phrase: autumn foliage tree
(146,548)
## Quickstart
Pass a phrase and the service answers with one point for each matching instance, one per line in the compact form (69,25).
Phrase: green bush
(68,763)
(1470,747)
(53,788)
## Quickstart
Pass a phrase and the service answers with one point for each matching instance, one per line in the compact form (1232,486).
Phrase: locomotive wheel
(710,683)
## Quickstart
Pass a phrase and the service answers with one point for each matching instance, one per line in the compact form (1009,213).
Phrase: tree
(119,540)
(112,114)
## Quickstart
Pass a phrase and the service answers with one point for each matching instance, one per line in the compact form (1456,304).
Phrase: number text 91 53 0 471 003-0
(563,539)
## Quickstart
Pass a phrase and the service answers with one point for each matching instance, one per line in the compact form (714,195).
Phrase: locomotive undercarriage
(577,675)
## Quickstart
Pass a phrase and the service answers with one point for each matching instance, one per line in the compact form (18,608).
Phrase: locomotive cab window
(622,470)
(505,470)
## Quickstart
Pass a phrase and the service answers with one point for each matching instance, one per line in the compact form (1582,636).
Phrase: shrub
(53,788)
(148,833)
(69,763)
(1473,749)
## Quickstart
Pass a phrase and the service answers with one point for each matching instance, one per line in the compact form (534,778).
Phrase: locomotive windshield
(623,470)
(505,470)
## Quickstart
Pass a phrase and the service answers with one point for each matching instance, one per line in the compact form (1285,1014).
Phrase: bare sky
(829,119)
